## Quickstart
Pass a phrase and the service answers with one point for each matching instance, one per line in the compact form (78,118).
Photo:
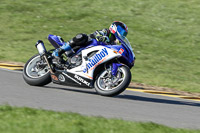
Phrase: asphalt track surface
(130,105)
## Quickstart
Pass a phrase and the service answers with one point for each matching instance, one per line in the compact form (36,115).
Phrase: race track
(130,105)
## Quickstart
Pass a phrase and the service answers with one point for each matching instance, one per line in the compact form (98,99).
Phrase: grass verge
(27,120)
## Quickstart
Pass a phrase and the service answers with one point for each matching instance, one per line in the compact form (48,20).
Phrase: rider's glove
(102,39)
(100,36)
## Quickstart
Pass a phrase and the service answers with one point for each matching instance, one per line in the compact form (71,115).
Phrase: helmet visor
(121,31)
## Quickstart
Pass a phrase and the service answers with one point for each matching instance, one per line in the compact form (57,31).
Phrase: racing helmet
(119,29)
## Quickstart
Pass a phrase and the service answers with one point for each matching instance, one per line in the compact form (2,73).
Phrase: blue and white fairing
(124,49)
(104,54)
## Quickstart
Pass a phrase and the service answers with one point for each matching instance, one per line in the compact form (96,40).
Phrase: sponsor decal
(121,51)
(72,78)
(96,59)
(54,77)
(82,80)
(61,78)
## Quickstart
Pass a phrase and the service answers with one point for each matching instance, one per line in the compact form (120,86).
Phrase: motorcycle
(97,65)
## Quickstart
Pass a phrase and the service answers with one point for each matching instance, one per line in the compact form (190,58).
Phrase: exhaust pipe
(42,51)
(40,47)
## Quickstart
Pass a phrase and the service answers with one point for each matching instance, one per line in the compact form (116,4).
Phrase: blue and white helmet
(119,29)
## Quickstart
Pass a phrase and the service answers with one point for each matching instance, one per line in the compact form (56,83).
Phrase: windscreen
(126,43)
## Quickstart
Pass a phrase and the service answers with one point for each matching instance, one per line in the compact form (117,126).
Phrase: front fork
(114,68)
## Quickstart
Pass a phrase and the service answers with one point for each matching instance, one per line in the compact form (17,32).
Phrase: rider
(108,36)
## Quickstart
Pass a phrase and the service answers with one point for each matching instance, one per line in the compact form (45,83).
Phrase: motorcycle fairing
(124,49)
(66,78)
(88,66)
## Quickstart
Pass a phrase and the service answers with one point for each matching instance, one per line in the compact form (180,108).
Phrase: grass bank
(165,35)
(26,120)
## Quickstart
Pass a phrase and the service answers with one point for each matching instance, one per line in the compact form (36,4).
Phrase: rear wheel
(36,72)
(108,85)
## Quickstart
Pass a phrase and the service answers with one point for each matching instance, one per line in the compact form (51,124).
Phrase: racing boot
(66,48)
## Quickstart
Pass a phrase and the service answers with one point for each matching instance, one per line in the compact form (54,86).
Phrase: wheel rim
(33,70)
(107,82)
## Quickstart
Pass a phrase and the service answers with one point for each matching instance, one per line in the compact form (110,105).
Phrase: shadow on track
(129,97)
(87,91)
(157,100)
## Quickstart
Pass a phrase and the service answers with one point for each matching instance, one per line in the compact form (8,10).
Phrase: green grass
(165,34)
(26,120)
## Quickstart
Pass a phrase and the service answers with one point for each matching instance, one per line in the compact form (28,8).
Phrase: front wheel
(108,85)
(36,72)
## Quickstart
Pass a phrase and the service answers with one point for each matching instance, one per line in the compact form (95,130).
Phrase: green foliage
(26,120)
(165,34)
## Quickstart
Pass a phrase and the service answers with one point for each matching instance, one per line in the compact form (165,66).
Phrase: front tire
(108,85)
(36,72)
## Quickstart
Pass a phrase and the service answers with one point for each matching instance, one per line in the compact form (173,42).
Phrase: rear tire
(113,86)
(34,75)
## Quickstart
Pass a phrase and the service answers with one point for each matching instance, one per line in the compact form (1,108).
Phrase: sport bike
(97,65)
